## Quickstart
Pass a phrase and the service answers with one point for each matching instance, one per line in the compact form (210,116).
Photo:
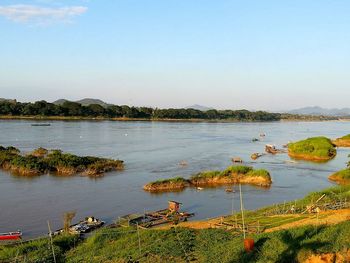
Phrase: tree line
(74,109)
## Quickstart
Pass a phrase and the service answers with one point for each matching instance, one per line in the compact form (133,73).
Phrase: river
(151,151)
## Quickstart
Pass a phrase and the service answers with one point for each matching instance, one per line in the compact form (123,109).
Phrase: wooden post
(242,208)
(50,234)
(232,202)
(138,235)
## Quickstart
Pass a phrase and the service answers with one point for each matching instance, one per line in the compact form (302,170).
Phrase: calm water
(152,150)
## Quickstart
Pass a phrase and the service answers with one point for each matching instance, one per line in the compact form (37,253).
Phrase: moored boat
(85,226)
(11,235)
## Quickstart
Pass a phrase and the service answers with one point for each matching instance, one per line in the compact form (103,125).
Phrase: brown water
(153,150)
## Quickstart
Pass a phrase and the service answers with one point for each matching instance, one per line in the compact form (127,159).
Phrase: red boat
(11,235)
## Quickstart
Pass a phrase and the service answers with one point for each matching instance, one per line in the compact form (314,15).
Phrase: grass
(319,147)
(342,176)
(208,175)
(174,180)
(38,251)
(259,173)
(185,245)
(346,137)
(206,245)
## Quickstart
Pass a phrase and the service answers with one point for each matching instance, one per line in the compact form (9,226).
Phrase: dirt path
(327,217)
(324,218)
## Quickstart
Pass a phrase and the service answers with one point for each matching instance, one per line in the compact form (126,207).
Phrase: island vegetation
(313,149)
(342,176)
(343,141)
(231,175)
(73,110)
(295,237)
(42,161)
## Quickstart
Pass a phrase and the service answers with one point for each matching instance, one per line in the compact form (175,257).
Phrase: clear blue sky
(270,55)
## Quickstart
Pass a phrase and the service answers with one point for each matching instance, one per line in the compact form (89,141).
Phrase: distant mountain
(84,102)
(199,107)
(321,111)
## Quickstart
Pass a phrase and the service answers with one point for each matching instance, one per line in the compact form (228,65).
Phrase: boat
(230,190)
(40,124)
(11,235)
(200,188)
(270,148)
(255,156)
(237,160)
(84,226)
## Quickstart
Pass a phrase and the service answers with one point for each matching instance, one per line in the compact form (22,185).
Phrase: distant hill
(84,102)
(321,111)
(10,100)
(198,107)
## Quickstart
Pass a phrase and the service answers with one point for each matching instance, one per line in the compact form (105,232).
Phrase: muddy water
(151,151)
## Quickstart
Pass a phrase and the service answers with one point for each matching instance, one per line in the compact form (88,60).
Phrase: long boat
(11,235)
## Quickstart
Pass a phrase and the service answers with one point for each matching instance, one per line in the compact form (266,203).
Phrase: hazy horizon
(257,55)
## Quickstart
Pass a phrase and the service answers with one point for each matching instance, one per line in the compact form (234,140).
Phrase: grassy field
(179,244)
(185,245)
(315,148)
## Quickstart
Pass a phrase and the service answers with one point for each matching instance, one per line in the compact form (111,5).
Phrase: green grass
(207,245)
(314,147)
(38,251)
(206,174)
(259,173)
(240,169)
(188,245)
(343,175)
(237,169)
(346,137)
(170,180)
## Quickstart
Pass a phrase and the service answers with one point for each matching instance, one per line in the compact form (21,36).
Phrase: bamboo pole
(242,208)
(50,234)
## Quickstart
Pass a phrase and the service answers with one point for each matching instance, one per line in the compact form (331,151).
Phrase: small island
(343,141)
(341,177)
(42,161)
(231,175)
(317,149)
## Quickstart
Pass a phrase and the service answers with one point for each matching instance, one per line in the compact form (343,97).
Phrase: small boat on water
(11,235)
(200,188)
(40,124)
(85,226)
(255,156)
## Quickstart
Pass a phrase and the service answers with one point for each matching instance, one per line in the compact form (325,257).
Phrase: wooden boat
(237,160)
(40,124)
(11,235)
(85,226)
(255,156)
(269,148)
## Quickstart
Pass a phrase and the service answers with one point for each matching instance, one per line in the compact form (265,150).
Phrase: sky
(257,55)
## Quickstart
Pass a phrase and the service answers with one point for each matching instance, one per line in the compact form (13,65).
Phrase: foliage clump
(41,161)
(231,175)
(314,149)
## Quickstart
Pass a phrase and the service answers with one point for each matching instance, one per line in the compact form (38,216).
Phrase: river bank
(82,118)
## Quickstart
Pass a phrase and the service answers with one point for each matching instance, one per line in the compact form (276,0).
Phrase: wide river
(151,151)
